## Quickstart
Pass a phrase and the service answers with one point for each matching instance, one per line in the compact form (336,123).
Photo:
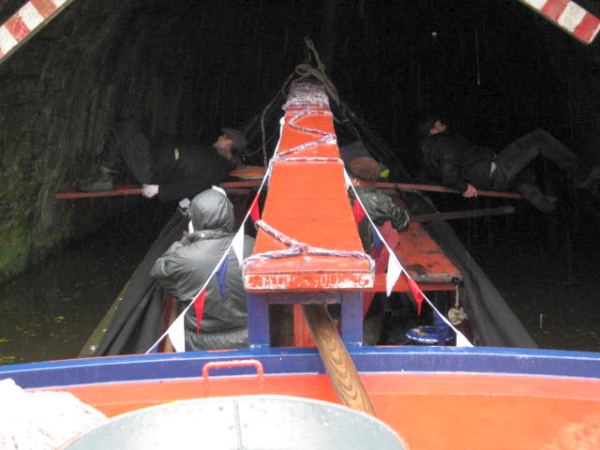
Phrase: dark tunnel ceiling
(495,66)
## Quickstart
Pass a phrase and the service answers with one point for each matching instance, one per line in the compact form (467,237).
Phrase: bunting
(416,292)
(461,340)
(347,179)
(238,245)
(198,303)
(254,211)
(358,211)
(395,269)
(176,334)
(393,273)
(441,329)
(176,331)
(377,245)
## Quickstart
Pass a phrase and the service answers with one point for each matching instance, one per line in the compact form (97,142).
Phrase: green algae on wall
(15,248)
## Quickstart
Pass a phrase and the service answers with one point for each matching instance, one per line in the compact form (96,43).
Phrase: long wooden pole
(337,360)
(444,189)
(453,215)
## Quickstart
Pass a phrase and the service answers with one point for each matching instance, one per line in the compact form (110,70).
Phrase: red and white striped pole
(569,16)
(26,22)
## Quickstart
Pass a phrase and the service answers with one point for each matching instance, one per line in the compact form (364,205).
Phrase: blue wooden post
(352,318)
(258,321)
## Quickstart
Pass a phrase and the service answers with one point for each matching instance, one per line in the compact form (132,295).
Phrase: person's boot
(103,182)
(533,195)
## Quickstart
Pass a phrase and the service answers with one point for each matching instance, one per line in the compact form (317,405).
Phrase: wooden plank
(116,192)
(338,363)
(233,187)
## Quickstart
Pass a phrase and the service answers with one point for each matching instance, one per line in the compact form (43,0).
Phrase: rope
(298,248)
(392,253)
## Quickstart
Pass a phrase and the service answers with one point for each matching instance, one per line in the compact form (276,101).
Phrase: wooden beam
(453,215)
(337,360)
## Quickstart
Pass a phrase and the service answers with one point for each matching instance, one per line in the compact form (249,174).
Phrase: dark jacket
(381,208)
(450,157)
(184,268)
(198,168)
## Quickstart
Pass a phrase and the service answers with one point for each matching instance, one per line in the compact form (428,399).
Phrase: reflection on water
(552,282)
(49,312)
(547,269)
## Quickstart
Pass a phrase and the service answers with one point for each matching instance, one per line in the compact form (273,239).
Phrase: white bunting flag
(238,245)
(347,179)
(461,340)
(177,333)
(393,273)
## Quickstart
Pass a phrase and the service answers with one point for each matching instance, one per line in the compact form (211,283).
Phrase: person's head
(431,125)
(359,162)
(230,143)
(365,168)
(211,210)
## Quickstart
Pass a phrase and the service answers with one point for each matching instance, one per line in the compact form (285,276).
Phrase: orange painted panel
(307,201)
(422,257)
(430,411)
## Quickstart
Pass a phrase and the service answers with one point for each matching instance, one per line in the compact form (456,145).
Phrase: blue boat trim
(407,359)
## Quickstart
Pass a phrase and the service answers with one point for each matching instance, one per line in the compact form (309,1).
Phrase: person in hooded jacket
(379,206)
(184,268)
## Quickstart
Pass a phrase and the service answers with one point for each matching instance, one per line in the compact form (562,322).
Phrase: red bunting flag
(416,292)
(199,308)
(358,211)
(254,212)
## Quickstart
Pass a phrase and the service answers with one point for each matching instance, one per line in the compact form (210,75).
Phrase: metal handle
(260,371)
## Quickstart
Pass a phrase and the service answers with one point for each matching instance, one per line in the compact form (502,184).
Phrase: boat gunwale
(406,359)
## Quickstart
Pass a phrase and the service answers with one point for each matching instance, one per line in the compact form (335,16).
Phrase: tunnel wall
(178,68)
(188,68)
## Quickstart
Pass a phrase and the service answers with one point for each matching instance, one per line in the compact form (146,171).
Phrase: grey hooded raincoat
(184,268)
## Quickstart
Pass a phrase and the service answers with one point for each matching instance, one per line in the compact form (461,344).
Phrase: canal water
(549,273)
(49,312)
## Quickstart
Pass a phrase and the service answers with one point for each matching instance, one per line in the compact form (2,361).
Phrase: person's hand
(470,192)
(149,190)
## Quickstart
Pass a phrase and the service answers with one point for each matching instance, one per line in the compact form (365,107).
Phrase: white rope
(220,262)
(403,270)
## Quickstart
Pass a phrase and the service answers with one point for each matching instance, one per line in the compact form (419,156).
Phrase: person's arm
(450,171)
(176,190)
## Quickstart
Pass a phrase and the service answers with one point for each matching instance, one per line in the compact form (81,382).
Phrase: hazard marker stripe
(569,16)
(28,20)
(30,16)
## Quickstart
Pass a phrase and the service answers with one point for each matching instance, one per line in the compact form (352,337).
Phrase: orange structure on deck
(308,202)
(453,411)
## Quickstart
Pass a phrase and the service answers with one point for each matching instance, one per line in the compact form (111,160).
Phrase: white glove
(149,190)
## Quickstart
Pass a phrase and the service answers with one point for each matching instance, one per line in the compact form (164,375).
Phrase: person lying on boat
(166,169)
(184,268)
(468,167)
(379,206)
